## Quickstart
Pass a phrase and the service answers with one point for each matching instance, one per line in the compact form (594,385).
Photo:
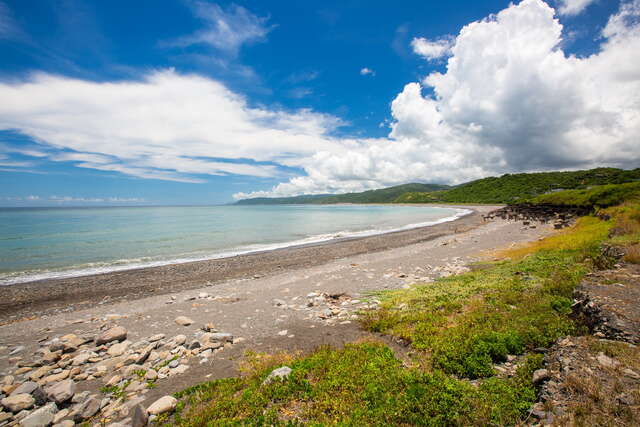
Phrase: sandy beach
(261,299)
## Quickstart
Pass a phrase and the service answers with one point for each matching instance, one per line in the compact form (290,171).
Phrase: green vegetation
(599,196)
(513,188)
(458,328)
(384,195)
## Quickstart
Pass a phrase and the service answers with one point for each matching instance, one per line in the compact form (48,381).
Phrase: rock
(62,391)
(139,417)
(65,423)
(34,390)
(156,337)
(283,332)
(42,417)
(540,375)
(180,369)
(162,405)
(221,336)
(606,361)
(183,321)
(4,416)
(17,402)
(87,410)
(151,375)
(118,349)
(61,415)
(209,327)
(113,380)
(117,333)
(203,295)
(16,350)
(174,364)
(55,377)
(278,374)
(179,340)
(40,372)
(631,374)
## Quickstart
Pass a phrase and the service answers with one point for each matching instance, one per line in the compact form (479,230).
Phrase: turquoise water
(39,243)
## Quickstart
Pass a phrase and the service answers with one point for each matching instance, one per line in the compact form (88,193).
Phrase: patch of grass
(116,391)
(599,196)
(362,384)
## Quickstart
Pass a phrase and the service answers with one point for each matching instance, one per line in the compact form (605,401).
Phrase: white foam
(131,264)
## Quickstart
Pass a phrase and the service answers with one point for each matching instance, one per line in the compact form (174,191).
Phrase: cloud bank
(509,99)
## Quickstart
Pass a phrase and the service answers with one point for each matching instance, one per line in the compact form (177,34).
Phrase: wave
(90,269)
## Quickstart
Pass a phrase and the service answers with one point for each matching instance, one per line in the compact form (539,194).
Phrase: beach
(292,299)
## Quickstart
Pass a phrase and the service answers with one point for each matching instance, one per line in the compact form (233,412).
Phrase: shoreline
(72,272)
(37,298)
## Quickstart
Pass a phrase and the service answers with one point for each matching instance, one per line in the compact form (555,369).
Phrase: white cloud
(367,71)
(509,100)
(573,7)
(432,49)
(166,126)
(226,30)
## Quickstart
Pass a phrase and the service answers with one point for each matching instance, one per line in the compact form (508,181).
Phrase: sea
(45,243)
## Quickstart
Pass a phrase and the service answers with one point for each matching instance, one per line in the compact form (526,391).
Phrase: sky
(203,102)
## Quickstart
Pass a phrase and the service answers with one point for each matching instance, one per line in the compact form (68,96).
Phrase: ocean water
(40,243)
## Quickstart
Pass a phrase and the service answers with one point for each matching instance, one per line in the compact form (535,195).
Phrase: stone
(34,390)
(18,402)
(162,405)
(87,410)
(540,375)
(55,377)
(42,417)
(139,416)
(40,372)
(174,364)
(151,375)
(16,350)
(183,321)
(8,380)
(113,380)
(117,333)
(606,361)
(65,423)
(118,349)
(278,374)
(156,337)
(60,415)
(221,336)
(209,327)
(631,374)
(179,340)
(62,391)
(4,416)
(180,369)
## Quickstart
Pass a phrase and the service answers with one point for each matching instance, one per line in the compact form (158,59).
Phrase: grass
(458,328)
(598,196)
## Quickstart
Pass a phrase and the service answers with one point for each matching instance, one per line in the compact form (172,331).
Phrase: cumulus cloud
(432,49)
(510,100)
(367,72)
(573,7)
(166,126)
(226,30)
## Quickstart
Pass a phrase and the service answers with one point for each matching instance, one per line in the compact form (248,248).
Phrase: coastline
(37,298)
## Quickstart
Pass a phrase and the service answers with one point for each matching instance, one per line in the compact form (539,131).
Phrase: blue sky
(193,102)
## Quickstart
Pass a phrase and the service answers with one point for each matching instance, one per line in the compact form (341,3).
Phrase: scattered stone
(117,333)
(42,417)
(162,405)
(156,337)
(278,374)
(139,416)
(221,336)
(183,321)
(118,349)
(540,375)
(18,402)
(87,410)
(62,391)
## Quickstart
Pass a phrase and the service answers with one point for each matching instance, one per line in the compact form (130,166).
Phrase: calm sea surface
(38,243)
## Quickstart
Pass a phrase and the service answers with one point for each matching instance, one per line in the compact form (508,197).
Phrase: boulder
(162,405)
(42,417)
(278,374)
(540,375)
(62,391)
(18,402)
(87,410)
(117,333)
(34,389)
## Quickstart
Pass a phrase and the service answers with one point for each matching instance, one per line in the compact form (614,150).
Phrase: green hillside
(513,188)
(383,195)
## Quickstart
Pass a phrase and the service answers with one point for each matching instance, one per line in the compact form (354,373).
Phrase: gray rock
(18,402)
(87,410)
(162,405)
(117,333)
(156,337)
(174,364)
(139,417)
(16,350)
(42,417)
(65,423)
(540,375)
(278,374)
(221,336)
(61,392)
(118,349)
